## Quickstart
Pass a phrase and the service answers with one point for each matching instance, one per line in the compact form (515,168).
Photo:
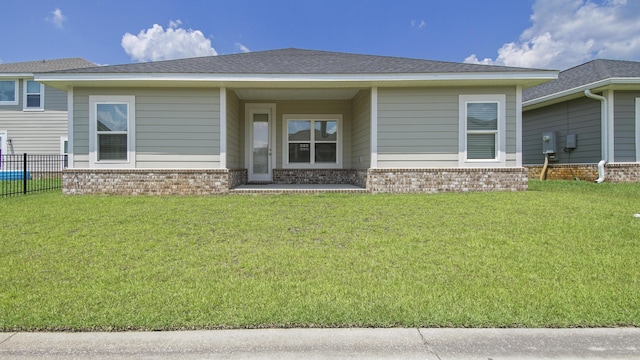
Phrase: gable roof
(297,61)
(30,67)
(586,76)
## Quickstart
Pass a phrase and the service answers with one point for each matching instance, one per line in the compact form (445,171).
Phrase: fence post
(24,173)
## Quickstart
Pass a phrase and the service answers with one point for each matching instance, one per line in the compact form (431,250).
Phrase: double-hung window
(312,141)
(8,92)
(112,131)
(482,130)
(33,95)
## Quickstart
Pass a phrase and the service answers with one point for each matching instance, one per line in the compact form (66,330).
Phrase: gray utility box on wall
(550,144)
(571,143)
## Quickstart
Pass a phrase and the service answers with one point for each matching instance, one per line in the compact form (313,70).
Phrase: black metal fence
(24,173)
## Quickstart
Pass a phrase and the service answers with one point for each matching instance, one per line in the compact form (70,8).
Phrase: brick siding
(214,181)
(318,176)
(615,173)
(145,182)
(587,172)
(446,180)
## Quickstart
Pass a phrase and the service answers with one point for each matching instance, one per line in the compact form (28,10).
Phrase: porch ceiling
(296,94)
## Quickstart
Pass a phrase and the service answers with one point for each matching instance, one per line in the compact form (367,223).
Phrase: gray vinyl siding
(54,99)
(361,130)
(418,127)
(311,107)
(175,128)
(234,132)
(80,141)
(625,126)
(34,132)
(580,116)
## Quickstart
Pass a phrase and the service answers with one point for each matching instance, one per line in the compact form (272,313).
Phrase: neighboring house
(206,125)
(593,110)
(33,116)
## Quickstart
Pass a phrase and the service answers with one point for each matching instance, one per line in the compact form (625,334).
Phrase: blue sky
(553,34)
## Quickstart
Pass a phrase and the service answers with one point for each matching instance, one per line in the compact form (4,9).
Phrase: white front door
(259,119)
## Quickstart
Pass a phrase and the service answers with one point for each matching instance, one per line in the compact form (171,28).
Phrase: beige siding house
(213,124)
(33,116)
(593,114)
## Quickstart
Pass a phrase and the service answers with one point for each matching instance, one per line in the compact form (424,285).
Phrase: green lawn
(563,254)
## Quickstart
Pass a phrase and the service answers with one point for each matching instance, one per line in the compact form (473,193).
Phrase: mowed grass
(563,254)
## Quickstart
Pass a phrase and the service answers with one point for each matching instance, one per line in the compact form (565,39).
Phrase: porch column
(69,127)
(519,126)
(223,128)
(374,128)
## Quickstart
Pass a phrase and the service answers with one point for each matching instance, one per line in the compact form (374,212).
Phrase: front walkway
(296,189)
(353,343)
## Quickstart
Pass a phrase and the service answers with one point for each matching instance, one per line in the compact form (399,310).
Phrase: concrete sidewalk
(437,344)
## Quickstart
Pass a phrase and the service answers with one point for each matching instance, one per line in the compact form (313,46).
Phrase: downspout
(604,120)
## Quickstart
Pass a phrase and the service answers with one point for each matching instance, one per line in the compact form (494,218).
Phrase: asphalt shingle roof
(296,61)
(45,65)
(584,74)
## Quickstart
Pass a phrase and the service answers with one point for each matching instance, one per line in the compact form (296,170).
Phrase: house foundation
(147,182)
(446,180)
(220,181)
(615,173)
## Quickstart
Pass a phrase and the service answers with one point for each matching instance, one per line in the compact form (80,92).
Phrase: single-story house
(33,116)
(208,124)
(588,121)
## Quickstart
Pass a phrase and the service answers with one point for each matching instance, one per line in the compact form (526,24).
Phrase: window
(33,95)
(8,92)
(312,141)
(482,130)
(112,127)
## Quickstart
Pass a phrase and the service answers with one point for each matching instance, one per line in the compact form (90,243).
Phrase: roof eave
(65,80)
(577,92)
(15,75)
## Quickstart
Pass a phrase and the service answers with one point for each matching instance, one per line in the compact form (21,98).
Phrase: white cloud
(240,47)
(418,24)
(56,18)
(567,33)
(156,43)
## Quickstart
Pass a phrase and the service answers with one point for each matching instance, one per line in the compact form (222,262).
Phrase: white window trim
(501,158)
(15,91)
(312,117)
(93,133)
(24,97)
